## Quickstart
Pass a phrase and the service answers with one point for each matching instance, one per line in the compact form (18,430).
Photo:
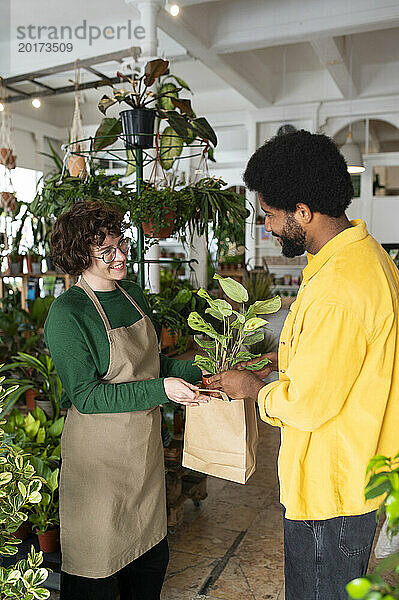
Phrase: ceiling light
(173,9)
(351,153)
(36,103)
(2,107)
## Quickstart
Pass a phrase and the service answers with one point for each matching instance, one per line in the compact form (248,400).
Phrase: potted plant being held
(221,438)
(240,328)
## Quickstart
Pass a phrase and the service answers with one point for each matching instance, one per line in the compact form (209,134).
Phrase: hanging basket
(8,158)
(8,201)
(138,127)
(150,229)
(77,164)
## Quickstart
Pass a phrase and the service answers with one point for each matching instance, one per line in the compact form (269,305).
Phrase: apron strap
(85,286)
(136,306)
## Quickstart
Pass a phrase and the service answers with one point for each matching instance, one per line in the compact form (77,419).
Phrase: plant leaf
(232,288)
(107,133)
(266,307)
(105,103)
(131,163)
(171,147)
(205,131)
(154,69)
(183,105)
(166,102)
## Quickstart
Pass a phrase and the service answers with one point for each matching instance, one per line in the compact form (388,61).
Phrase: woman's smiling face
(101,271)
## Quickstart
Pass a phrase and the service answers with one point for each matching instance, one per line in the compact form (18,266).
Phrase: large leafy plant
(40,436)
(383,480)
(33,373)
(184,126)
(20,487)
(244,326)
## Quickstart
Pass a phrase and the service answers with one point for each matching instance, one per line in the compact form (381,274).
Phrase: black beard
(293,238)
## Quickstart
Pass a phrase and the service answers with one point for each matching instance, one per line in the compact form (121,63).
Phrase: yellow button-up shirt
(337,397)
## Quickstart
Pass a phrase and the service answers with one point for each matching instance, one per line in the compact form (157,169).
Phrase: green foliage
(41,438)
(32,372)
(225,350)
(206,201)
(383,479)
(58,195)
(20,488)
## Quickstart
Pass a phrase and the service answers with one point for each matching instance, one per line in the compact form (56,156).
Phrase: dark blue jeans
(321,557)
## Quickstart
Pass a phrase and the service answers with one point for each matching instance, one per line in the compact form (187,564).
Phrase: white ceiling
(247,54)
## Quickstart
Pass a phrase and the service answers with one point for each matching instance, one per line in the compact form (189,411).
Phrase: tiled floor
(205,546)
(203,563)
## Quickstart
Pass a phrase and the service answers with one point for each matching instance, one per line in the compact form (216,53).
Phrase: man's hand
(182,392)
(262,373)
(237,384)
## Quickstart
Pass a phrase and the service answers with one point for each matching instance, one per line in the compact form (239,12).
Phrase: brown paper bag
(221,438)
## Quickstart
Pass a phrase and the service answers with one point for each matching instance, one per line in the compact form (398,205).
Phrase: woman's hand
(262,373)
(182,392)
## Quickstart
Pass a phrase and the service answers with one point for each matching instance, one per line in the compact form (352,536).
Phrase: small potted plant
(15,262)
(45,514)
(34,262)
(240,328)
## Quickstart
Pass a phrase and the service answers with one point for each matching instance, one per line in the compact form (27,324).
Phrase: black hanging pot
(138,127)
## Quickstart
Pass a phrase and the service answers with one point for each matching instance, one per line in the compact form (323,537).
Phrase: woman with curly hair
(105,349)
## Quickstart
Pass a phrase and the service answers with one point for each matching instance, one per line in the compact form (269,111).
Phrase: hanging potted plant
(137,123)
(244,327)
(8,158)
(155,211)
(9,201)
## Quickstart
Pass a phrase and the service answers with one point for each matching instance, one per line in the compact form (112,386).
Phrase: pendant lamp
(351,153)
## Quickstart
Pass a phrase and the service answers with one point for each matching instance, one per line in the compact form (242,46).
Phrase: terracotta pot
(205,379)
(50,540)
(30,396)
(207,383)
(164,232)
(77,165)
(24,531)
(7,158)
(168,340)
(8,201)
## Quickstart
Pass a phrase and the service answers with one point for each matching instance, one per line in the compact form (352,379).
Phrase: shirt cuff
(262,403)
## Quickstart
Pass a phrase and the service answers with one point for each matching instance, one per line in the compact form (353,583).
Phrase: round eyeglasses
(108,256)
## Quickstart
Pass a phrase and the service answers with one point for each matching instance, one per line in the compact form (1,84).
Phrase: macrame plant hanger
(7,158)
(76,158)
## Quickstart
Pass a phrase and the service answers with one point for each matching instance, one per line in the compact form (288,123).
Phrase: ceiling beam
(234,74)
(334,56)
(255,24)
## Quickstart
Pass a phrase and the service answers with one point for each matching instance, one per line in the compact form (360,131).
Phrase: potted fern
(241,328)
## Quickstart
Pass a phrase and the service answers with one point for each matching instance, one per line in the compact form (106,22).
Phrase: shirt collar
(357,232)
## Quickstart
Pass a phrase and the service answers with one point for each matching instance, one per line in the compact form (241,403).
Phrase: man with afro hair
(337,396)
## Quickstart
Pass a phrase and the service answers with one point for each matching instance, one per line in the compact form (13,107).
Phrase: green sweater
(77,340)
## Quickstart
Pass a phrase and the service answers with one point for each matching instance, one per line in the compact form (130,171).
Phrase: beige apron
(112,484)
